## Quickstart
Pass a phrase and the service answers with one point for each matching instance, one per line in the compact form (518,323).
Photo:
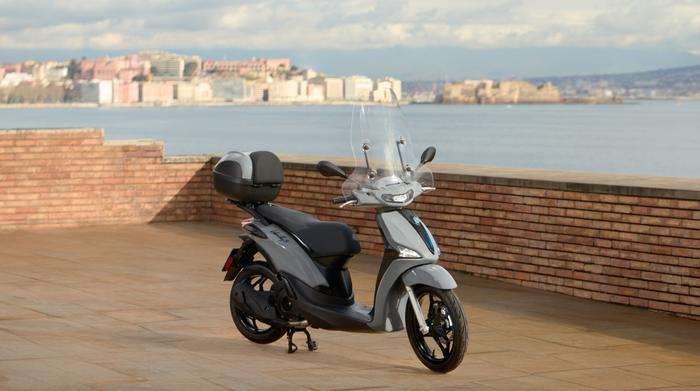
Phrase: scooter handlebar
(343,199)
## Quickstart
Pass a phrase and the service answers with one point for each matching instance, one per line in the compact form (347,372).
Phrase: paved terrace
(144,306)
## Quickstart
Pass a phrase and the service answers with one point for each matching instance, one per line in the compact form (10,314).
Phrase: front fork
(422,326)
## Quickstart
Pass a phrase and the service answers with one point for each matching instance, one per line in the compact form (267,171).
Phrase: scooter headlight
(398,198)
(408,253)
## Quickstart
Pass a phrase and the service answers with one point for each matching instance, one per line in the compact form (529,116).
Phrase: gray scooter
(302,279)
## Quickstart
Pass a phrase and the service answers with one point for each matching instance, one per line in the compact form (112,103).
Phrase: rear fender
(239,258)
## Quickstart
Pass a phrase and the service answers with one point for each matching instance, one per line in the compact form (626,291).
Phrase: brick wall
(70,177)
(621,239)
(594,239)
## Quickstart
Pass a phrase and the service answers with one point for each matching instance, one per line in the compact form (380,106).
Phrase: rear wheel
(443,347)
(261,278)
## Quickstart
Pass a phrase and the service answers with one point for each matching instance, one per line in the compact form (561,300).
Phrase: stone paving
(144,307)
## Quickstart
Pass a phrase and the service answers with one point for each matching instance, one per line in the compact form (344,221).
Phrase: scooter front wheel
(442,348)
(259,276)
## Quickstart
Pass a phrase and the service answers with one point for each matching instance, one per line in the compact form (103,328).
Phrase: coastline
(79,105)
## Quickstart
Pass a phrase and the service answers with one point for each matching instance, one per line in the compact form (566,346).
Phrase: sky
(416,39)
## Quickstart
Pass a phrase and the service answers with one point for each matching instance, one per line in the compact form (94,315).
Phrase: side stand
(292,347)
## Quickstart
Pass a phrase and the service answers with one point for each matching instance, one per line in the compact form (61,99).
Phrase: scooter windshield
(382,149)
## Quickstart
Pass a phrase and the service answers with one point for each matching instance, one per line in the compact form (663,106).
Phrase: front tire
(258,275)
(443,347)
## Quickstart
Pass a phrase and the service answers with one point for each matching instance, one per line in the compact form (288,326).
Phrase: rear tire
(257,274)
(443,347)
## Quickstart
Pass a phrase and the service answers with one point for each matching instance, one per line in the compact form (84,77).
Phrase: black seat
(324,239)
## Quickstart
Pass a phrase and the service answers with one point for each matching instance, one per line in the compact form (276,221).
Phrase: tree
(190,69)
(73,69)
(154,70)
(139,78)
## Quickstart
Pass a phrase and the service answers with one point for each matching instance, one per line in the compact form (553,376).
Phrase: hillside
(660,83)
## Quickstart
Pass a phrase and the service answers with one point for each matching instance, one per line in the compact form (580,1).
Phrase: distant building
(9,68)
(156,92)
(170,65)
(383,88)
(125,92)
(358,88)
(12,79)
(316,92)
(508,91)
(461,92)
(303,89)
(193,92)
(284,90)
(277,64)
(123,69)
(334,88)
(259,92)
(96,91)
(229,89)
(256,67)
(56,74)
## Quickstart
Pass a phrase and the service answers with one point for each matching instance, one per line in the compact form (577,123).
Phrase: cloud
(352,24)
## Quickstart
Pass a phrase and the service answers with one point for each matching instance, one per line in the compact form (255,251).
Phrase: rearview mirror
(427,156)
(327,168)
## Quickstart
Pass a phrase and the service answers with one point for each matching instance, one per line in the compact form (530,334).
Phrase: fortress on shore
(507,91)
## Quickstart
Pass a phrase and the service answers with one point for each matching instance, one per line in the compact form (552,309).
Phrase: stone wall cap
(203,158)
(134,142)
(51,130)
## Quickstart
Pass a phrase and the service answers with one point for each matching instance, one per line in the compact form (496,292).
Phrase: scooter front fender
(432,275)
(390,298)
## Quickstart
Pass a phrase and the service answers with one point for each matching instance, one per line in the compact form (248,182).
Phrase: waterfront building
(316,92)
(303,89)
(259,92)
(284,90)
(203,92)
(507,91)
(171,65)
(123,68)
(125,92)
(56,74)
(256,67)
(156,92)
(383,88)
(278,64)
(12,79)
(358,88)
(95,91)
(195,91)
(334,88)
(9,68)
(229,89)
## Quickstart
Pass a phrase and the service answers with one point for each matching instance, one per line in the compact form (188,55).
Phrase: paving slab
(145,307)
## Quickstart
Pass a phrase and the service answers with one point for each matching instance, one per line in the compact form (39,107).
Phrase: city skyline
(463,39)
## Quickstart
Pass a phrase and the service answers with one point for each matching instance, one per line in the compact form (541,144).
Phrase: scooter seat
(324,239)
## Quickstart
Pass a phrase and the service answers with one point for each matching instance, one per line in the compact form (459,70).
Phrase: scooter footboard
(391,297)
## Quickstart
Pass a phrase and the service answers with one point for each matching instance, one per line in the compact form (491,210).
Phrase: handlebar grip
(342,199)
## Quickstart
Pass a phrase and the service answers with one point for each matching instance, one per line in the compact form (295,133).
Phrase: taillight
(228,263)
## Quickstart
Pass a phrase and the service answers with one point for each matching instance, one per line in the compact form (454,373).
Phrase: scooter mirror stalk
(327,168)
